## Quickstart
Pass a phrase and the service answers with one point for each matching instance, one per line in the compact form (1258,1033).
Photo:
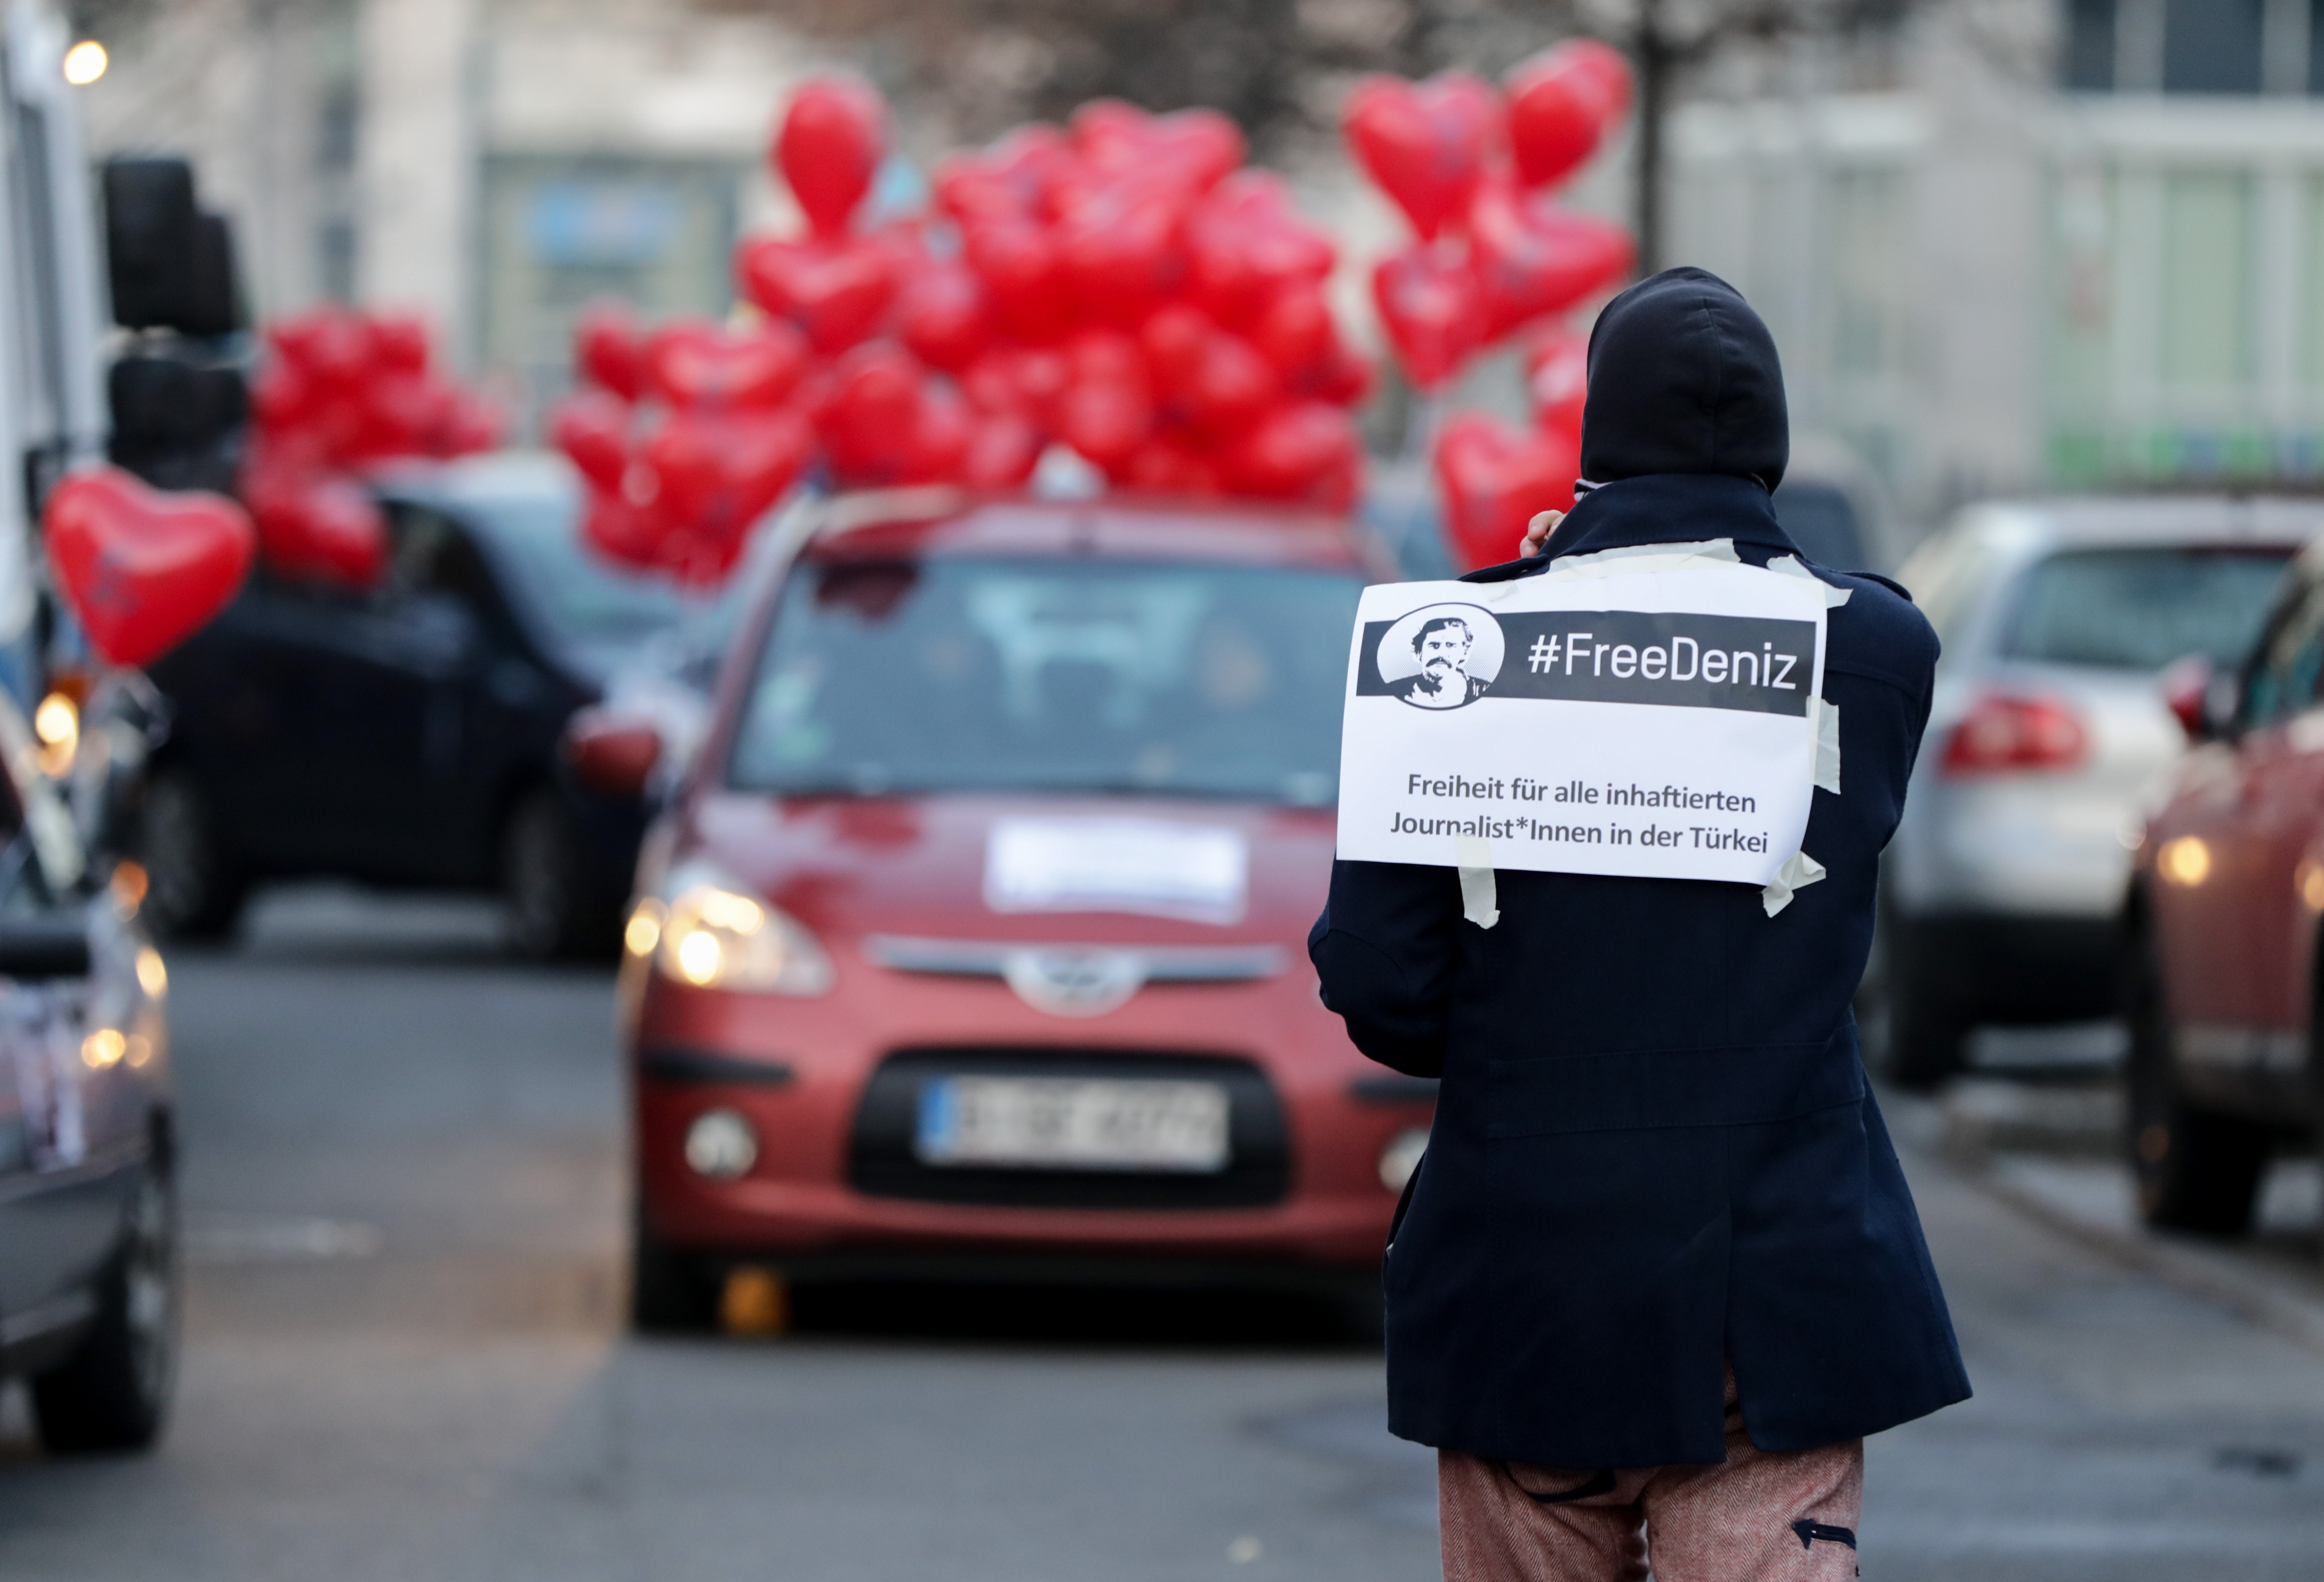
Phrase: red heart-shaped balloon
(1106,417)
(1166,464)
(619,531)
(404,414)
(1002,451)
(943,317)
(1194,149)
(1558,379)
(1232,384)
(1295,332)
(1533,259)
(1563,103)
(704,478)
(1432,309)
(1302,450)
(1246,245)
(610,351)
(943,430)
(696,365)
(1122,251)
(867,426)
(1424,143)
(836,290)
(470,424)
(592,428)
(1009,181)
(829,149)
(1017,261)
(143,570)
(1496,479)
(332,345)
(400,341)
(313,524)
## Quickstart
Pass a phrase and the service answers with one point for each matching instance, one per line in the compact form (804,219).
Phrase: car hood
(1084,870)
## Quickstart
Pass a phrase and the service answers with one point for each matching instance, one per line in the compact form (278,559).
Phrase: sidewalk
(2053,1153)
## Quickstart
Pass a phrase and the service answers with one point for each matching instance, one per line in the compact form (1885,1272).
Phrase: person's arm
(1385,952)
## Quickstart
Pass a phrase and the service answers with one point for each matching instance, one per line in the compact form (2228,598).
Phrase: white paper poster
(1655,724)
(1162,869)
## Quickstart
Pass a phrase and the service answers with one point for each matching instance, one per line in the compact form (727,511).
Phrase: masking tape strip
(1628,559)
(1826,748)
(1473,857)
(1798,871)
(1792,566)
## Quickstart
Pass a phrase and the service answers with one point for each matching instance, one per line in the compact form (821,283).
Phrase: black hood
(1684,379)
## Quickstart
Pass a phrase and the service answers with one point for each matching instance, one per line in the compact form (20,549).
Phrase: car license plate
(1072,1123)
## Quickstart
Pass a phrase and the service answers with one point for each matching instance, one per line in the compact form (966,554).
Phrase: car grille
(882,1164)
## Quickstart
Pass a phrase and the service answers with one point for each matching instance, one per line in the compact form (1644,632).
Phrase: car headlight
(710,933)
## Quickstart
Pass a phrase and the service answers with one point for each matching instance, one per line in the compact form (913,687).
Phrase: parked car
(89,1271)
(408,735)
(2222,921)
(977,936)
(2048,742)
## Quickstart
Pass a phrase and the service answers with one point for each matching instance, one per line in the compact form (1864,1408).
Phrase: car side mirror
(2201,695)
(611,755)
(41,947)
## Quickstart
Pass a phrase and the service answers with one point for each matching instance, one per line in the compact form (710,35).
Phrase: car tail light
(2006,734)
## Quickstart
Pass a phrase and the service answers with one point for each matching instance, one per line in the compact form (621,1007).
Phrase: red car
(975,940)
(2227,958)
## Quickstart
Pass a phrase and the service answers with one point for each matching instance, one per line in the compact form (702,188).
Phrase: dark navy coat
(1654,1149)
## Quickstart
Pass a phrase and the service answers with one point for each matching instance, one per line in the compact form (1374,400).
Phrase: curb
(2222,1278)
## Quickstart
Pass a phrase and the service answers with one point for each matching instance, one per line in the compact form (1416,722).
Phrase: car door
(358,718)
(64,1145)
(2280,884)
(2228,866)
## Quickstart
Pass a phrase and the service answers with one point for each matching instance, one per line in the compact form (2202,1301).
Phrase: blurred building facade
(2075,242)
(2018,244)
(494,164)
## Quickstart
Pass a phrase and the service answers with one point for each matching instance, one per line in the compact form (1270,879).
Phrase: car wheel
(544,882)
(195,889)
(1921,1032)
(112,1394)
(671,1293)
(2196,1168)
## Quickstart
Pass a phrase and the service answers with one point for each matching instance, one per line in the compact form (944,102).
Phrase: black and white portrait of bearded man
(1443,646)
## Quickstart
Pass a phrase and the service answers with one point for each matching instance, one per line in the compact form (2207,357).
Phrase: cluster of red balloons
(1472,168)
(685,438)
(343,392)
(1120,285)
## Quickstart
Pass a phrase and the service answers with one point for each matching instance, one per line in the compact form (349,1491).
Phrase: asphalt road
(404,1362)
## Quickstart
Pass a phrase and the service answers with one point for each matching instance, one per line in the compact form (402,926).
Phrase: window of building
(2207,278)
(2212,46)
(2087,63)
(2312,288)
(2193,46)
(1870,274)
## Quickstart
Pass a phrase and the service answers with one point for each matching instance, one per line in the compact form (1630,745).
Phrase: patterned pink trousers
(1758,1518)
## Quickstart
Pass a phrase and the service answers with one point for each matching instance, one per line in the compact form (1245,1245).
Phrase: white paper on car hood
(1150,867)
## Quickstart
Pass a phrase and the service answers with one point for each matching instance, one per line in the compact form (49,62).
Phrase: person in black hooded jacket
(1658,1272)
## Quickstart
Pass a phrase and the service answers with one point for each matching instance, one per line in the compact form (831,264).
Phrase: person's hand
(1537,532)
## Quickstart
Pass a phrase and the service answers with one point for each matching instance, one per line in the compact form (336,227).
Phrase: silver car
(2048,740)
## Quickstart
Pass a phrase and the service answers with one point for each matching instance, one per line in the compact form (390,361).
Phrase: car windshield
(2141,609)
(580,597)
(1051,675)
